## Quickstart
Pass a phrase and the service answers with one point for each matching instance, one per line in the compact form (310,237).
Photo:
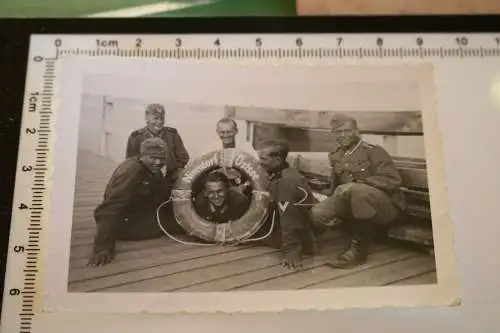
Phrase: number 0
(14,292)
(462,41)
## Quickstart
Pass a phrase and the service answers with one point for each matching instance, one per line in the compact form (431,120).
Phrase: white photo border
(57,231)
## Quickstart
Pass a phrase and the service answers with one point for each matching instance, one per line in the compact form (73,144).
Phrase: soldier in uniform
(219,203)
(227,129)
(131,199)
(291,201)
(365,190)
(177,155)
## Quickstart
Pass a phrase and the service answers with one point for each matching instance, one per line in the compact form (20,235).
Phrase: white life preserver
(235,231)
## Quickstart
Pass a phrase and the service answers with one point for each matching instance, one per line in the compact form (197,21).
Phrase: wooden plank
(319,274)
(425,278)
(255,274)
(213,273)
(375,121)
(239,267)
(384,274)
(310,140)
(160,258)
(83,251)
(148,251)
(142,268)
(153,278)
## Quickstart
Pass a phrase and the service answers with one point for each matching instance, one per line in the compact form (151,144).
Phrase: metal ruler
(31,203)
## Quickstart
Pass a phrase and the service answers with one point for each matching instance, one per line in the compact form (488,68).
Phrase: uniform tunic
(128,209)
(234,207)
(292,199)
(375,194)
(177,155)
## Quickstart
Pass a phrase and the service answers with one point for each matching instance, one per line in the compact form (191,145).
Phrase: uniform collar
(213,209)
(276,174)
(353,148)
(151,134)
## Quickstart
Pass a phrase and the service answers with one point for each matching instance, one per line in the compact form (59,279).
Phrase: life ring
(234,231)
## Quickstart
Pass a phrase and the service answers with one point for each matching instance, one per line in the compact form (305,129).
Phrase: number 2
(138,42)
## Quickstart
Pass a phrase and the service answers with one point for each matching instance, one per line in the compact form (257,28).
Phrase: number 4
(23,206)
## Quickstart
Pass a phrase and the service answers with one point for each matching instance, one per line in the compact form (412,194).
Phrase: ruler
(24,269)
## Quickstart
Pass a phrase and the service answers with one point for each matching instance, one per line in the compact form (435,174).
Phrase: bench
(415,224)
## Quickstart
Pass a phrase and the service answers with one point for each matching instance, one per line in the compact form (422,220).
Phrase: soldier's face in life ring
(216,192)
(155,122)
(153,162)
(226,130)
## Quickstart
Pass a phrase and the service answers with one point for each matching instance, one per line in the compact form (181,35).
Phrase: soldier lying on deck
(132,196)
(219,203)
(364,193)
(176,156)
(292,200)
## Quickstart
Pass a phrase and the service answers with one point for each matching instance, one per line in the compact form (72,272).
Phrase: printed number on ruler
(284,46)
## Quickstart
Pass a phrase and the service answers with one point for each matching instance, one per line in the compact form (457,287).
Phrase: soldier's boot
(309,243)
(355,255)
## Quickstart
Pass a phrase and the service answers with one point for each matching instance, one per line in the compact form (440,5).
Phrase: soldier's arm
(334,178)
(130,150)
(119,194)
(181,154)
(386,175)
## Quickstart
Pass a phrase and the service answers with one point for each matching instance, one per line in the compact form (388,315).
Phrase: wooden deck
(162,265)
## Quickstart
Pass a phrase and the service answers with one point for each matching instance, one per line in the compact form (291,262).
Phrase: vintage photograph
(210,186)
(193,197)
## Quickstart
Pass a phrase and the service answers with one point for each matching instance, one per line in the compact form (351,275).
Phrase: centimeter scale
(30,207)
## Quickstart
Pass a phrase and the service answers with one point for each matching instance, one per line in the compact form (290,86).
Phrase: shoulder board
(291,173)
(137,132)
(170,129)
(368,145)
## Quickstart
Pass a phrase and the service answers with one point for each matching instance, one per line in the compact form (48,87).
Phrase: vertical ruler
(30,196)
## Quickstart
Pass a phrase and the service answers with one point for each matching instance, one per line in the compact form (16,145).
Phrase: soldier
(218,203)
(292,199)
(227,129)
(131,199)
(177,155)
(364,193)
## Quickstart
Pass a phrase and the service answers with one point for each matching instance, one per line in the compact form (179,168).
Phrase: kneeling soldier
(292,200)
(365,191)
(131,199)
(176,155)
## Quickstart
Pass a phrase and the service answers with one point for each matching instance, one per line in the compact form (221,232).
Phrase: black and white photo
(208,179)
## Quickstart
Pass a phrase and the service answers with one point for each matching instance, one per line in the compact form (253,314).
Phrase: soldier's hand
(293,263)
(344,188)
(101,258)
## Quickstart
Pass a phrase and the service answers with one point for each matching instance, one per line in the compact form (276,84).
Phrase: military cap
(154,147)
(340,119)
(155,109)
(277,146)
